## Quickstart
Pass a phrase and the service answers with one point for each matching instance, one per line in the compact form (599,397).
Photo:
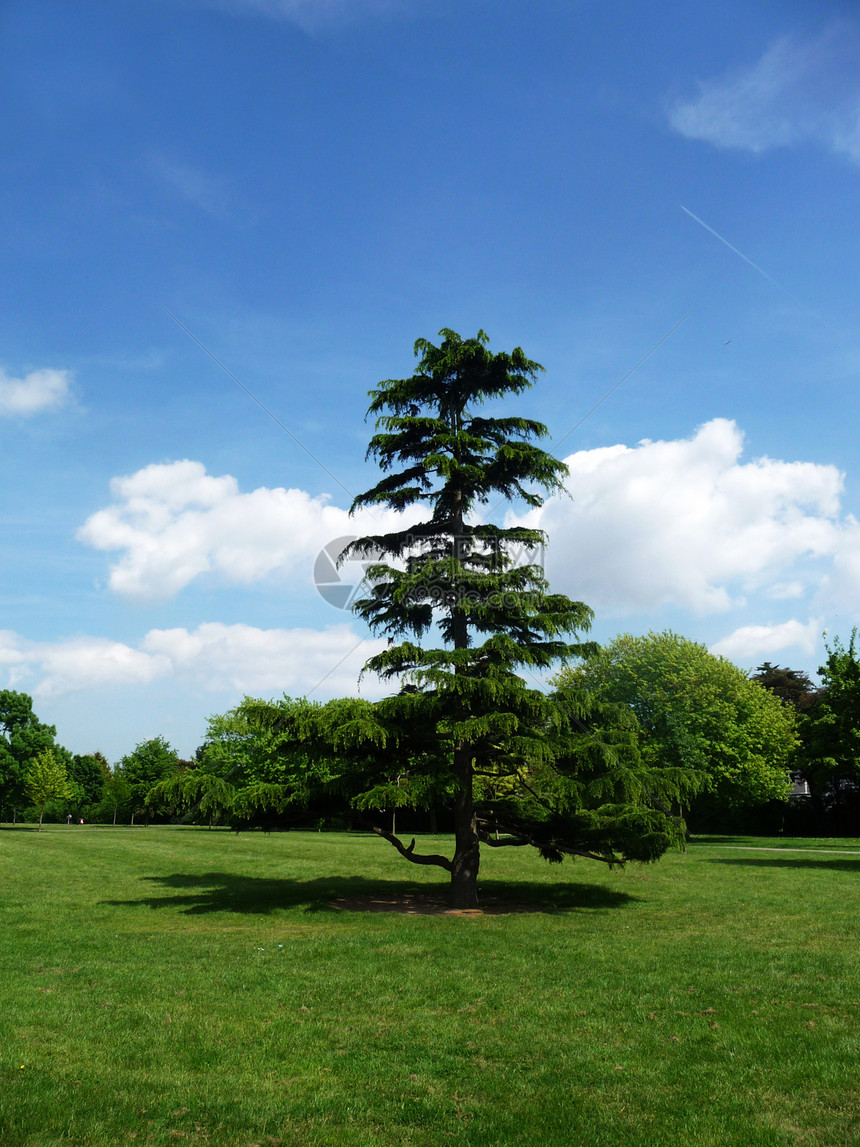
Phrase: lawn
(166,986)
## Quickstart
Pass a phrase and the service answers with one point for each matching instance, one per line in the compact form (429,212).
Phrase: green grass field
(166,986)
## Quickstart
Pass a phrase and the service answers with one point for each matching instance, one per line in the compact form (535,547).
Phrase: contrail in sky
(741,255)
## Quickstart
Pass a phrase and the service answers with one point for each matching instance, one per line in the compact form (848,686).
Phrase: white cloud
(92,662)
(214,657)
(838,588)
(10,653)
(39,390)
(752,643)
(687,524)
(174,523)
(251,660)
(797,91)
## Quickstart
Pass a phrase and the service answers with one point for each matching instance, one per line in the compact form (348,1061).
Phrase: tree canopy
(695,711)
(45,780)
(829,756)
(792,686)
(89,772)
(22,738)
(148,763)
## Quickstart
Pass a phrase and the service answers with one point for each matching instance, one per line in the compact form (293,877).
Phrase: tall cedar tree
(463,714)
(792,686)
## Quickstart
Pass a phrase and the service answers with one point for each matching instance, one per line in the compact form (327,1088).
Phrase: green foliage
(792,686)
(695,712)
(250,765)
(149,762)
(230,744)
(22,737)
(830,733)
(313,758)
(116,796)
(46,780)
(89,772)
(192,791)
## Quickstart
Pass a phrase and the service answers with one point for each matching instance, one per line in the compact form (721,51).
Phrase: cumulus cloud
(687,524)
(798,91)
(250,660)
(87,662)
(838,587)
(173,522)
(38,391)
(240,658)
(752,643)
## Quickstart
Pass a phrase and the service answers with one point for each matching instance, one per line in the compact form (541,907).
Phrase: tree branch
(407,850)
(524,839)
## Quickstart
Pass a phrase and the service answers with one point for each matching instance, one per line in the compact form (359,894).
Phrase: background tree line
(41,780)
(771,752)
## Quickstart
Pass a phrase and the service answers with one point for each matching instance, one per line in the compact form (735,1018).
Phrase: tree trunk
(467,850)
(467,855)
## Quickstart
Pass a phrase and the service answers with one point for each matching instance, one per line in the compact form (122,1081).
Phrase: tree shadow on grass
(198,894)
(843,864)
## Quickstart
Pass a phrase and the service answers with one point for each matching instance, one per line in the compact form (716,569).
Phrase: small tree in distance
(46,780)
(792,686)
(148,763)
(116,793)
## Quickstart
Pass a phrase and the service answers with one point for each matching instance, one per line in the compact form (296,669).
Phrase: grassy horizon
(165,986)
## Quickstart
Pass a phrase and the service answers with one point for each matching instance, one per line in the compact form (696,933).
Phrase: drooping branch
(525,839)
(407,851)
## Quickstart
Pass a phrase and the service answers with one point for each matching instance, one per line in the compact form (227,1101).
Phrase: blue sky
(307,186)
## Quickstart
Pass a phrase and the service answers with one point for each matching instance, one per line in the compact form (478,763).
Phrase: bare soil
(428,904)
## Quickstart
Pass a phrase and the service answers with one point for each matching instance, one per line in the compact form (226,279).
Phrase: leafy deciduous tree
(695,711)
(45,780)
(89,771)
(22,737)
(116,794)
(149,762)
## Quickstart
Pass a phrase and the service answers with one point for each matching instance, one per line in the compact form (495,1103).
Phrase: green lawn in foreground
(168,986)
